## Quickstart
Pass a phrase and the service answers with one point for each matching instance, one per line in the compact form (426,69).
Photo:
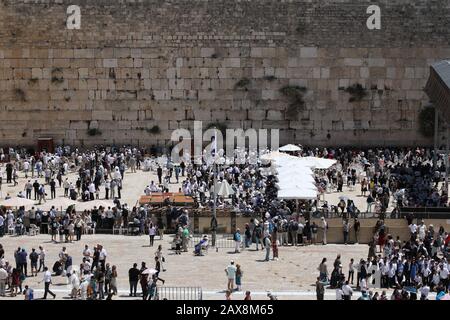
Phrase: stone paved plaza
(291,277)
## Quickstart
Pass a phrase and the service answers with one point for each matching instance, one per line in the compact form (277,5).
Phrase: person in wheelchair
(202,245)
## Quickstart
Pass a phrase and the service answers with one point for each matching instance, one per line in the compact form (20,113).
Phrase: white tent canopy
(57,203)
(295,178)
(89,205)
(225,190)
(318,163)
(18,202)
(302,194)
(289,148)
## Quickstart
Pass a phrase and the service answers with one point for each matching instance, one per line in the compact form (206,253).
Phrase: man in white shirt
(75,283)
(231,275)
(47,281)
(87,253)
(347,291)
(102,256)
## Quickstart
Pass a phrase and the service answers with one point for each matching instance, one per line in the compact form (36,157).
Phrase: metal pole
(214,190)
(436,126)
(447,167)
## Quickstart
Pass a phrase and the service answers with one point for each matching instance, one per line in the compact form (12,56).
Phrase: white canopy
(225,190)
(89,205)
(318,163)
(298,193)
(18,202)
(295,178)
(289,148)
(57,203)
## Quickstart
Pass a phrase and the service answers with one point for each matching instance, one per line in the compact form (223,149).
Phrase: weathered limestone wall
(135,64)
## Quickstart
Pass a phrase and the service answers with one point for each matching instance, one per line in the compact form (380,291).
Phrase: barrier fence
(223,241)
(179,293)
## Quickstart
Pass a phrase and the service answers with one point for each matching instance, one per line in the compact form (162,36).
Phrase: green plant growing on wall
(20,94)
(154,130)
(57,76)
(270,78)
(426,121)
(357,92)
(295,95)
(33,81)
(94,132)
(243,83)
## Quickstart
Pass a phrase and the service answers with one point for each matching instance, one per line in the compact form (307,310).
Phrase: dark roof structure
(438,88)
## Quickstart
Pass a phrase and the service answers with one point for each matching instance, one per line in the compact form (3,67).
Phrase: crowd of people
(389,179)
(93,279)
(413,268)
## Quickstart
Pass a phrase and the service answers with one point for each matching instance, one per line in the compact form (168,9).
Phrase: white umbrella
(318,163)
(225,190)
(289,148)
(57,203)
(18,202)
(274,155)
(88,205)
(297,193)
(150,271)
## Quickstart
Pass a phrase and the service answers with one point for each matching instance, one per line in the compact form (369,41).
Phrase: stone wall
(136,64)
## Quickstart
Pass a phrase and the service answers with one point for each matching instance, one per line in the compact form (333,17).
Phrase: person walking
(47,282)
(143,278)
(231,275)
(41,258)
(151,233)
(160,256)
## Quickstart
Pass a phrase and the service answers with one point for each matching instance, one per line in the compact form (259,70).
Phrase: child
(238,277)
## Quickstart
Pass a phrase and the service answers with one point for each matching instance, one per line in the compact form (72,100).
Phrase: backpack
(294,226)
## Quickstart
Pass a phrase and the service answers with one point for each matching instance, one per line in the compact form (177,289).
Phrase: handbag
(163,259)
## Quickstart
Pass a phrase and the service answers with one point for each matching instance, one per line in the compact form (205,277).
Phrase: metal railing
(222,240)
(179,293)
